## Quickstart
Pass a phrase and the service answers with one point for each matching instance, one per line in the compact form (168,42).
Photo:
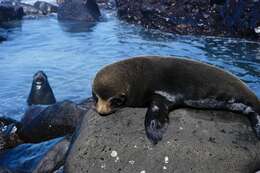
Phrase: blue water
(71,54)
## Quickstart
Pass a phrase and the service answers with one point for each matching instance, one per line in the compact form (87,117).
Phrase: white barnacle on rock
(103,165)
(131,162)
(143,171)
(166,159)
(164,167)
(113,153)
(117,159)
(257,30)
(181,128)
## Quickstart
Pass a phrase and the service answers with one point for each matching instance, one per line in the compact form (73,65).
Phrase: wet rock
(80,10)
(10,11)
(43,157)
(195,141)
(41,123)
(236,18)
(57,120)
(9,137)
(45,7)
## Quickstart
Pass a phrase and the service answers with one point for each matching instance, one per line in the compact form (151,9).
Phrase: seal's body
(41,92)
(164,84)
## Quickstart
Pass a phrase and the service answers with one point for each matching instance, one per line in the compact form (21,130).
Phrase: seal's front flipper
(156,119)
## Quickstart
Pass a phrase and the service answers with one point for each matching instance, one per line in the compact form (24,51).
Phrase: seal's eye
(95,98)
(118,101)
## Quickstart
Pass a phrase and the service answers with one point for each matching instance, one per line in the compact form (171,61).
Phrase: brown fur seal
(163,84)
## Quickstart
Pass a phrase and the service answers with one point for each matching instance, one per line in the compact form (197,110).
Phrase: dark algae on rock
(239,18)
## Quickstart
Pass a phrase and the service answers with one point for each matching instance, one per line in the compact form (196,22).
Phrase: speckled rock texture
(238,18)
(196,141)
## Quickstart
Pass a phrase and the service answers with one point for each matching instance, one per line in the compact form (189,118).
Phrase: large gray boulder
(196,141)
(79,10)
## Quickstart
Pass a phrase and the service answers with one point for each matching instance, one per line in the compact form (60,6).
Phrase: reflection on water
(71,54)
(76,26)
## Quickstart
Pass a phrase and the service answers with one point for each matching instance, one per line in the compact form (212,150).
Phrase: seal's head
(110,90)
(41,92)
(39,80)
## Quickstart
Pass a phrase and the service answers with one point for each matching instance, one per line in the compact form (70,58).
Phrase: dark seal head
(41,92)
(109,91)
(121,85)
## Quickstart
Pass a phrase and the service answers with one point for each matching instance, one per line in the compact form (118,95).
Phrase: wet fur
(42,96)
(170,83)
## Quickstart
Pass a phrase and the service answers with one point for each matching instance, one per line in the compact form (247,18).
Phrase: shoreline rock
(195,141)
(218,18)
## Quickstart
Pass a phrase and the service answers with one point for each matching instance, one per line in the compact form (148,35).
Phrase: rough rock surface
(57,120)
(209,17)
(196,141)
(79,10)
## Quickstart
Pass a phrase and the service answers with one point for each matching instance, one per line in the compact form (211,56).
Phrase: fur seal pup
(166,83)
(41,92)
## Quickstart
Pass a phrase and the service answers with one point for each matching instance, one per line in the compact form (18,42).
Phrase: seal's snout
(103,107)
(40,78)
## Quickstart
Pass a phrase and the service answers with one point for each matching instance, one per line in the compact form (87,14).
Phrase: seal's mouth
(39,82)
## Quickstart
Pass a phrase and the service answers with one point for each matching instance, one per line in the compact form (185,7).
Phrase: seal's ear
(118,101)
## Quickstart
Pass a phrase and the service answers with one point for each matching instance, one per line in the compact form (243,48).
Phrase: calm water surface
(71,54)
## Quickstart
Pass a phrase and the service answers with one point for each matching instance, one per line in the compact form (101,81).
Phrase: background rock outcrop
(238,18)
(10,11)
(79,10)
(196,141)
